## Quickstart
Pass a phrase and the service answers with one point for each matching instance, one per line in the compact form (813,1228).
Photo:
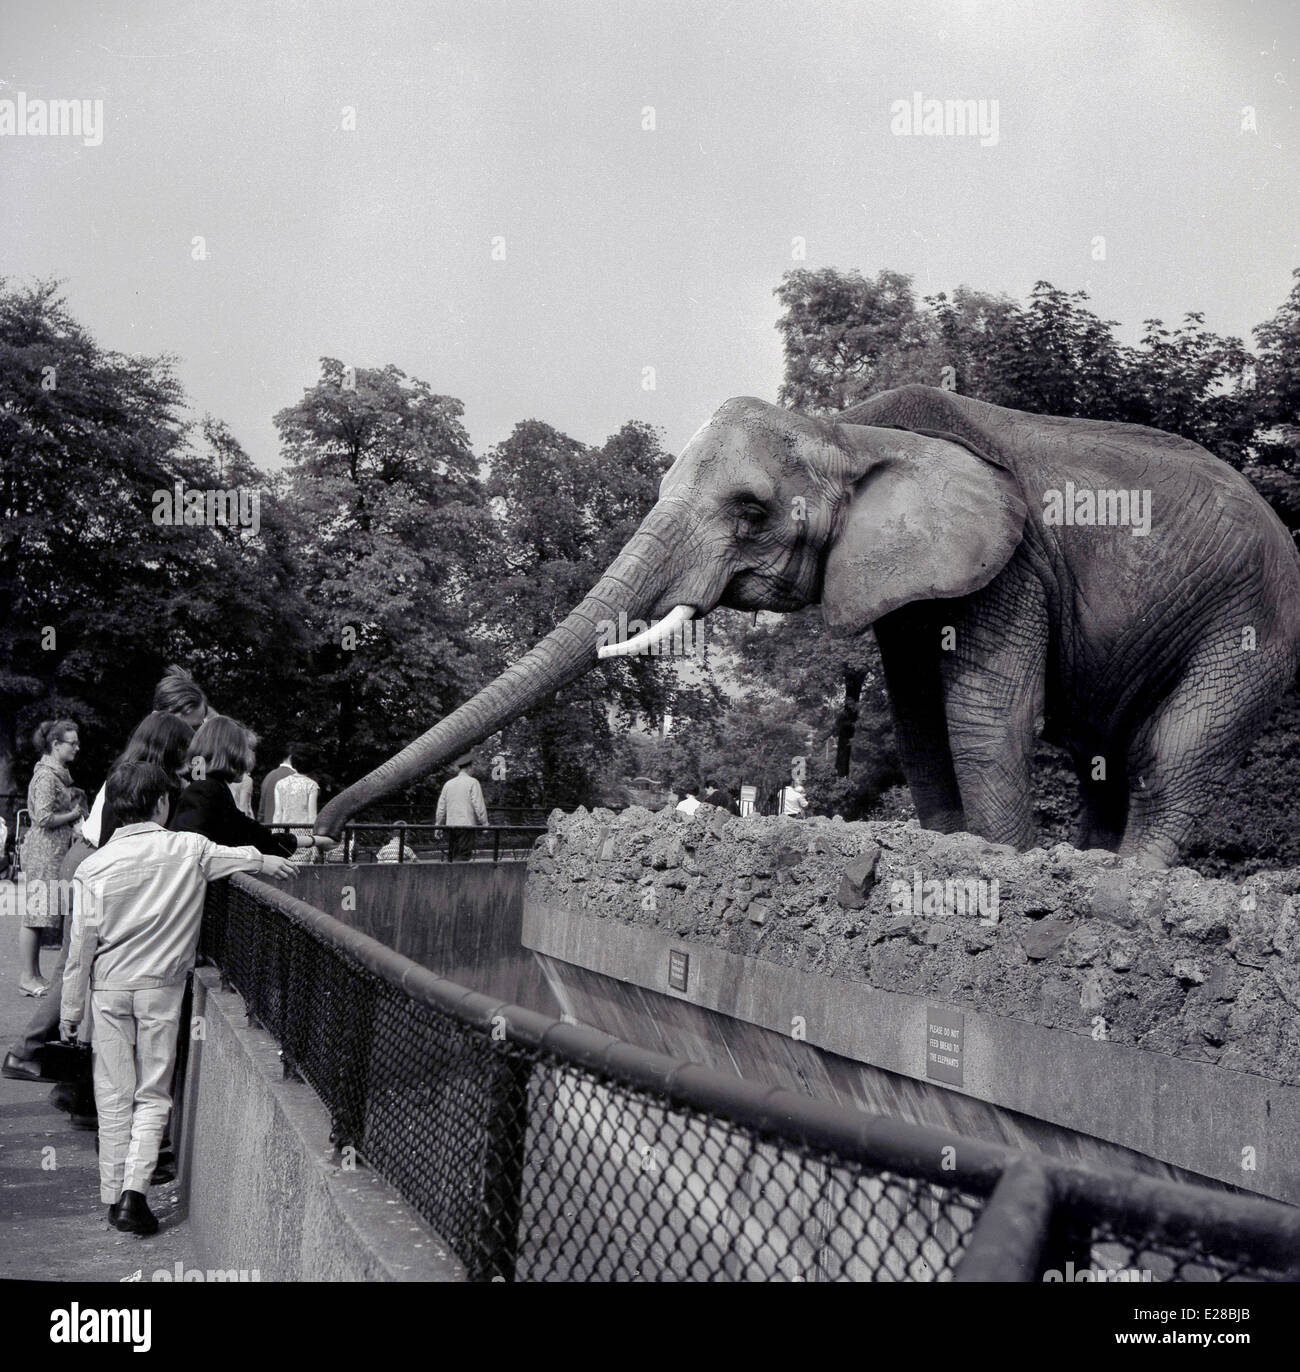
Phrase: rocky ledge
(1168,961)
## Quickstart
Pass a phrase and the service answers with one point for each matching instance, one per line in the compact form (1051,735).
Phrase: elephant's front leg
(909,651)
(994,665)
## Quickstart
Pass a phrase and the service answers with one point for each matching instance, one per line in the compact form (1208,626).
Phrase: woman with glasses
(55,813)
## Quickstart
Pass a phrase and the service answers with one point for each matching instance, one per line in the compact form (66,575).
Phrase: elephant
(1115,588)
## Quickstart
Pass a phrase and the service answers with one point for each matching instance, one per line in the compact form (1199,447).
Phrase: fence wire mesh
(533,1167)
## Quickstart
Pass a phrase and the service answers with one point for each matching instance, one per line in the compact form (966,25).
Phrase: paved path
(52,1224)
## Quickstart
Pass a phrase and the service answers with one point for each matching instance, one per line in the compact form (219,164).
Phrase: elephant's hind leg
(1181,759)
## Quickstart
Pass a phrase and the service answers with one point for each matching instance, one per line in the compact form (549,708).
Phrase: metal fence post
(506,1131)
(1010,1235)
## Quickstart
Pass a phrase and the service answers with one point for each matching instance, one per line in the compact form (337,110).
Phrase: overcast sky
(625,248)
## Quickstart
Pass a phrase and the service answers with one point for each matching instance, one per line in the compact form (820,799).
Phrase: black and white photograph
(650,641)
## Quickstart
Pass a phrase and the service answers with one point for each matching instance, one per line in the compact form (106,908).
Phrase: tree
(562,511)
(845,335)
(98,594)
(391,534)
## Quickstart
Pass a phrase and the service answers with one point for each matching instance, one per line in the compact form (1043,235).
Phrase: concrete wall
(1100,1011)
(262,1184)
(461,920)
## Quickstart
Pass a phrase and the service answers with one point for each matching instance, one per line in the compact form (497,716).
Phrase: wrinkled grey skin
(1154,660)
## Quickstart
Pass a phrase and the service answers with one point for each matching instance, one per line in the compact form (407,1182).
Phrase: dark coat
(722,800)
(206,807)
(266,796)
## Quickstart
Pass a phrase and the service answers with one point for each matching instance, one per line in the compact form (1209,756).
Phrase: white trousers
(135,1054)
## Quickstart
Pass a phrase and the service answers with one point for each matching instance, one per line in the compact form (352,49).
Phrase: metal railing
(399,842)
(541,1150)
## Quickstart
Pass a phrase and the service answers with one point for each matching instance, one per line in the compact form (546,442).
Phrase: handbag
(70,1062)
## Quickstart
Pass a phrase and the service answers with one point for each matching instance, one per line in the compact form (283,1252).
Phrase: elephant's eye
(751,513)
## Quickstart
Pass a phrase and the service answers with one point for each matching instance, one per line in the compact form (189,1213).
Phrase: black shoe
(133,1215)
(164,1169)
(77,1103)
(21,1069)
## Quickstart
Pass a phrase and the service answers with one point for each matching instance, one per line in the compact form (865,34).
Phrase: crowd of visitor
(117,884)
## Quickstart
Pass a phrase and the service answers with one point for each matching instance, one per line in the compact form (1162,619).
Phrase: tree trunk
(848,721)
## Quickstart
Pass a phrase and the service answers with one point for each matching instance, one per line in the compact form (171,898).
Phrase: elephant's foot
(941,820)
(1157,847)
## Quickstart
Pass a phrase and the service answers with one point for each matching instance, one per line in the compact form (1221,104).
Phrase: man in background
(460,811)
(266,797)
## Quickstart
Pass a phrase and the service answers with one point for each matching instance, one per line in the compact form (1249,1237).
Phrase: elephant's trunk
(633,583)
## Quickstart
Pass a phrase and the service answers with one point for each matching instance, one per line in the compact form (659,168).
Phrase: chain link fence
(542,1151)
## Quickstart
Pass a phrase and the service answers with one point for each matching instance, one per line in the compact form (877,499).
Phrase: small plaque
(945,1044)
(679,969)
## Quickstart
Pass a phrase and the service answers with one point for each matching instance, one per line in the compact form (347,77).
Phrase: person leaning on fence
(220,753)
(137,908)
(461,810)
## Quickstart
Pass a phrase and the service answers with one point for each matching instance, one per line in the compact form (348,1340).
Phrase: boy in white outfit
(137,908)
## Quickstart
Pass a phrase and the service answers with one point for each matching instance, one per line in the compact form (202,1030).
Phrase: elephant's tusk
(646,640)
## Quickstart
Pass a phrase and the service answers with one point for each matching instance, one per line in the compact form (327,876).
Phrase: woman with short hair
(220,752)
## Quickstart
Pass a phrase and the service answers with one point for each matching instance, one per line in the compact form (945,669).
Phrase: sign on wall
(679,969)
(945,1042)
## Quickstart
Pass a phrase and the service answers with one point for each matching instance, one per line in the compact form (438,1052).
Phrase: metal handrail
(405,833)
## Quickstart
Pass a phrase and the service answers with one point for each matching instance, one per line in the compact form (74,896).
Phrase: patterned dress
(295,803)
(50,793)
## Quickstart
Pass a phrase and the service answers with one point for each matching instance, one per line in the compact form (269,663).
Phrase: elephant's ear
(928,518)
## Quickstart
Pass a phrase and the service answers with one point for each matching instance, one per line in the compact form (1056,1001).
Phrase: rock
(1188,972)
(1043,939)
(1083,947)
(757,912)
(1091,997)
(1122,955)
(1110,897)
(1221,983)
(858,879)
